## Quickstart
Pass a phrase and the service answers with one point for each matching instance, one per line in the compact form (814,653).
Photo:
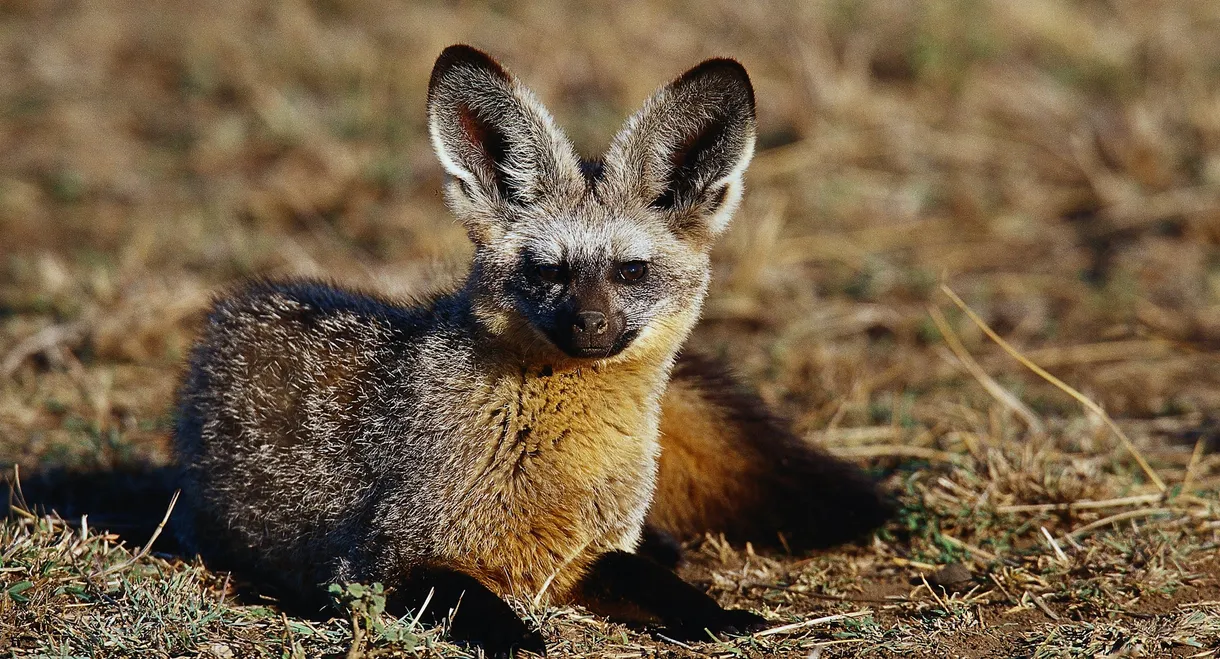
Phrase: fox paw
(737,622)
(725,622)
(500,639)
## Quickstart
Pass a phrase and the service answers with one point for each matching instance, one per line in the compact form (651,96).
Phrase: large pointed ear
(685,151)
(494,137)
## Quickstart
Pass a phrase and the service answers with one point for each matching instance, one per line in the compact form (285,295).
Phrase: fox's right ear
(497,141)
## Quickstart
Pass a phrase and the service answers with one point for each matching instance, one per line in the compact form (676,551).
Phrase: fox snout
(591,332)
(585,306)
(589,324)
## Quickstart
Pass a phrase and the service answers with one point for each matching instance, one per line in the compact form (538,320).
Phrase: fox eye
(551,273)
(632,270)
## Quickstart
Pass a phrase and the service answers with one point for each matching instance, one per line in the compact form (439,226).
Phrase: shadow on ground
(130,501)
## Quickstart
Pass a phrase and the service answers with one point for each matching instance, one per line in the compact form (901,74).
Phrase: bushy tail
(730,466)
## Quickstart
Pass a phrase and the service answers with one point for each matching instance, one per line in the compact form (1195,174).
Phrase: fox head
(592,260)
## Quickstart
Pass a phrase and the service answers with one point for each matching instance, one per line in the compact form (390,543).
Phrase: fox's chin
(591,352)
(597,352)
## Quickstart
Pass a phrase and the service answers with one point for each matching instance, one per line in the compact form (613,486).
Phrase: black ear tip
(724,72)
(724,65)
(461,55)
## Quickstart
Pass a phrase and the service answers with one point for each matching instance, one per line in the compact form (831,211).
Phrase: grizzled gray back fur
(508,428)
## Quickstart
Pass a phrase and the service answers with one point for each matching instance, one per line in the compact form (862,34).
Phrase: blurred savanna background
(1056,164)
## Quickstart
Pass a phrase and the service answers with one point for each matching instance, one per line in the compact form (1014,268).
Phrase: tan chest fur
(565,473)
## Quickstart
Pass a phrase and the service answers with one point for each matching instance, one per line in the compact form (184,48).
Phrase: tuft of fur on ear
(496,139)
(685,151)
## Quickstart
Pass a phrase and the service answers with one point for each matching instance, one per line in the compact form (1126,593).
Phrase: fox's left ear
(685,151)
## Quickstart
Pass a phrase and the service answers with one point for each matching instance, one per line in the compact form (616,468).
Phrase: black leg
(633,589)
(660,547)
(482,619)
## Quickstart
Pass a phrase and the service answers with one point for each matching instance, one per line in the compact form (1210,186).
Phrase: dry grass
(1055,163)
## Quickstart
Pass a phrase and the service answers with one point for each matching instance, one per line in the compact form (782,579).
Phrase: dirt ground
(1054,165)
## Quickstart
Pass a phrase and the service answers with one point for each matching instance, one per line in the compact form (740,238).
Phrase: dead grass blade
(16,496)
(1193,465)
(1120,517)
(977,551)
(1005,397)
(1081,505)
(785,629)
(899,451)
(1042,373)
(143,551)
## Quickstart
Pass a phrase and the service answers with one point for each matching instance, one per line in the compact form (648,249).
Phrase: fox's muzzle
(590,333)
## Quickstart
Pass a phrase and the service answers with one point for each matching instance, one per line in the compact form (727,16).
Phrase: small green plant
(366,609)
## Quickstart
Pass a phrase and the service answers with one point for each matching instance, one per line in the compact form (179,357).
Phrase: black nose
(589,322)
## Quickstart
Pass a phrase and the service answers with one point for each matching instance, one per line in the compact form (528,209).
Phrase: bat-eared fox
(522,434)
